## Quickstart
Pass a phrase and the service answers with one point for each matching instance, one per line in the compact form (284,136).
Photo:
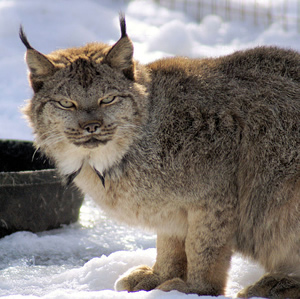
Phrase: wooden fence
(258,12)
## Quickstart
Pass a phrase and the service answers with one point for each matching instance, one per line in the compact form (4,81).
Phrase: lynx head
(88,104)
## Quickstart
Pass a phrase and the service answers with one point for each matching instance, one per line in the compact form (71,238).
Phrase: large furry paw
(183,287)
(140,278)
(275,286)
(175,284)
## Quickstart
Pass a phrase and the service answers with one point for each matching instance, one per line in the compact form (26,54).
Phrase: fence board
(258,12)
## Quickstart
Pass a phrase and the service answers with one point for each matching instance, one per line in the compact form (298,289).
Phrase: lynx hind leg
(170,263)
(275,286)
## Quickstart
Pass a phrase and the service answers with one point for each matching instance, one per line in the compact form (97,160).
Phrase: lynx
(205,152)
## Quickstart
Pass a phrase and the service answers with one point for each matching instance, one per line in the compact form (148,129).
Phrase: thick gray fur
(205,152)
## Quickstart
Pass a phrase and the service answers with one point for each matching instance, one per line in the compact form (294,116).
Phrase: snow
(84,259)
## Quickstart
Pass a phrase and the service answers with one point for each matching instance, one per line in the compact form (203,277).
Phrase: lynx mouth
(91,143)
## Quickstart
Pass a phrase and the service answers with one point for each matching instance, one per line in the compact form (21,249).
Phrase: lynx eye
(67,104)
(108,100)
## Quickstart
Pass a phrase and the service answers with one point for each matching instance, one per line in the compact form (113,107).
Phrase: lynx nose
(92,127)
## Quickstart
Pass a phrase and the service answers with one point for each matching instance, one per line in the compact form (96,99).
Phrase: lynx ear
(39,65)
(120,56)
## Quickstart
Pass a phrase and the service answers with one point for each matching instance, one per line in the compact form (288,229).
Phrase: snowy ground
(83,260)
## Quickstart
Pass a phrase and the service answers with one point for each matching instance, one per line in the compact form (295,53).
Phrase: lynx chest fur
(205,152)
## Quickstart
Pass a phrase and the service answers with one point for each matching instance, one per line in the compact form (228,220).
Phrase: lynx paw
(175,284)
(141,278)
(274,286)
(183,287)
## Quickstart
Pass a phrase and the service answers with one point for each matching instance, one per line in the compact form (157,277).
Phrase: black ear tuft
(122,25)
(24,39)
(120,56)
(39,65)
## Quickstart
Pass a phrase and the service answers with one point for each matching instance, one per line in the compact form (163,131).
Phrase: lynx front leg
(208,255)
(170,263)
